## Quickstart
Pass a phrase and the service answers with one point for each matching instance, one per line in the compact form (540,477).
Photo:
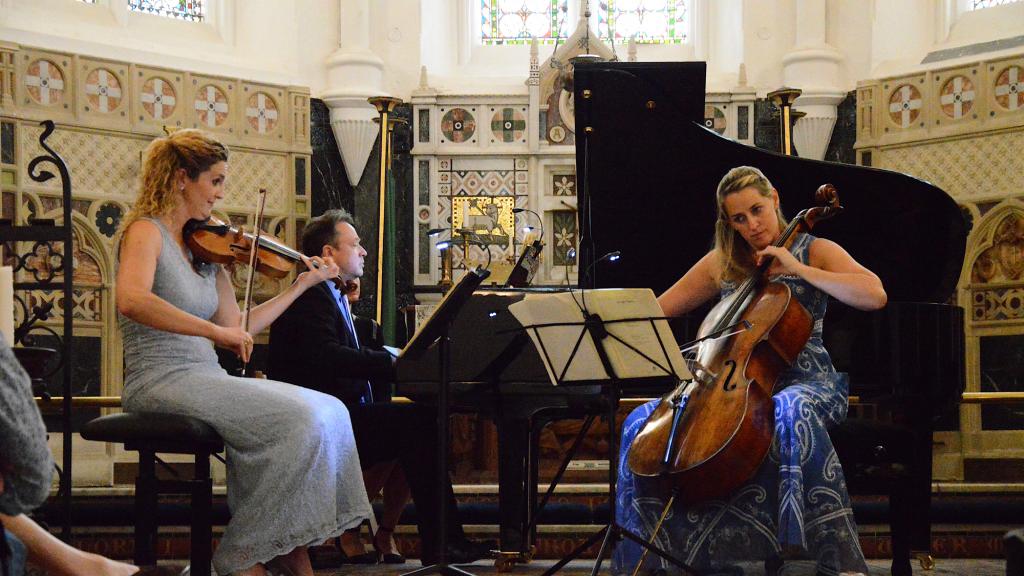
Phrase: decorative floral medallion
(508,125)
(1010,88)
(261,112)
(158,98)
(957,97)
(905,105)
(103,90)
(458,125)
(45,82)
(211,106)
(108,218)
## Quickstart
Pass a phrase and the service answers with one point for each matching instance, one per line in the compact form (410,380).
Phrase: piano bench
(150,433)
(883,458)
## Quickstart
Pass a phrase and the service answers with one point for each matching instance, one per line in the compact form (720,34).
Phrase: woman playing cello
(293,471)
(796,504)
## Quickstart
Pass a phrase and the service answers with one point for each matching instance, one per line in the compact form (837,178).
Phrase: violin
(216,242)
(717,443)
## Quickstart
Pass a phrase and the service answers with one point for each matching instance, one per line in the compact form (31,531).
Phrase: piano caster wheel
(506,561)
(926,560)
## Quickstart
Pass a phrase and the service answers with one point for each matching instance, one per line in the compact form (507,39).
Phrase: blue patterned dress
(796,503)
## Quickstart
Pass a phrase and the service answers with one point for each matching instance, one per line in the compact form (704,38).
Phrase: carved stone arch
(992,282)
(90,246)
(996,246)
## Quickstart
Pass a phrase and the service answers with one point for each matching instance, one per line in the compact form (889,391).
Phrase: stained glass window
(519,21)
(979,4)
(648,21)
(190,10)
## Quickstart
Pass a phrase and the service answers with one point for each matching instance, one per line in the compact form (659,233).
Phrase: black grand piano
(649,171)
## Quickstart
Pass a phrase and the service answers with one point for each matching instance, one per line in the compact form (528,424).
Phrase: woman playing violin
(796,505)
(293,470)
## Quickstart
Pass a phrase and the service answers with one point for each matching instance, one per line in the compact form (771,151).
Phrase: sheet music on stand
(443,314)
(639,345)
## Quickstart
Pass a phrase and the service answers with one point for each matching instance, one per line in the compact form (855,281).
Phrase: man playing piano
(315,337)
(796,505)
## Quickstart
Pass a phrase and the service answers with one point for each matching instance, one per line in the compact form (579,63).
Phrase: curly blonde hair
(735,255)
(193,151)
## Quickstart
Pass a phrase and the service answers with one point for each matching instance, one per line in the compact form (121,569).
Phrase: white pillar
(354,73)
(813,67)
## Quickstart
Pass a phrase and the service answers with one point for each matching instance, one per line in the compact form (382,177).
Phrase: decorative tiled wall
(106,113)
(962,129)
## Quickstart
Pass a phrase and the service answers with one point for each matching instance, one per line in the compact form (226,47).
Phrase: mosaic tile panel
(563,237)
(458,125)
(743,122)
(424,181)
(423,125)
(1003,261)
(103,164)
(251,171)
(7,142)
(508,125)
(563,184)
(479,194)
(997,304)
(714,119)
(981,167)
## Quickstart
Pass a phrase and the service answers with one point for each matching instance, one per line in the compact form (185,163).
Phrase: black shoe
(461,552)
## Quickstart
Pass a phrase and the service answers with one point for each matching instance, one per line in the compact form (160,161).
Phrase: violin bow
(253,261)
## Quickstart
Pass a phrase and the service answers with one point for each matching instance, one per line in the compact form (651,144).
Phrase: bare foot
(294,563)
(256,570)
(96,564)
(352,543)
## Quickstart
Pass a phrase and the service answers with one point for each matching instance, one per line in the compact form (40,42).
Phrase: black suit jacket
(310,346)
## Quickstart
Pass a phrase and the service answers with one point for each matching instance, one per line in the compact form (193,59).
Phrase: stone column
(813,66)
(354,73)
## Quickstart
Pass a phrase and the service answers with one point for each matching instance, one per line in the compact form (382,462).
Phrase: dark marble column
(331,189)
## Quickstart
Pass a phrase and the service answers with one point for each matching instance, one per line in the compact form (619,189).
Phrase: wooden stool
(150,433)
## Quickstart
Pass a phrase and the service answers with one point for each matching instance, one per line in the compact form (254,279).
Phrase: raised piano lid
(651,174)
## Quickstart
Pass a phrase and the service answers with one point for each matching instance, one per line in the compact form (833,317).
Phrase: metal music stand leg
(442,566)
(612,532)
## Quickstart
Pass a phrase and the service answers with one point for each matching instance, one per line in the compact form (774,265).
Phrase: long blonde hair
(194,151)
(735,256)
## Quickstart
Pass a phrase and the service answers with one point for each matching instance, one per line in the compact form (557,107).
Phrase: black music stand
(436,329)
(598,330)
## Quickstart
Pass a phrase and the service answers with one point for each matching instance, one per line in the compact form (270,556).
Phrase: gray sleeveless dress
(293,472)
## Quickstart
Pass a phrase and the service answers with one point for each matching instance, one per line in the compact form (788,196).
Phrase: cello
(709,435)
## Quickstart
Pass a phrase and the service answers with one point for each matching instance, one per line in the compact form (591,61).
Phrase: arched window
(519,21)
(646,21)
(188,10)
(979,4)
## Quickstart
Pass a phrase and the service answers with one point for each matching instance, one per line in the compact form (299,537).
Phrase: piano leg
(910,503)
(514,435)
